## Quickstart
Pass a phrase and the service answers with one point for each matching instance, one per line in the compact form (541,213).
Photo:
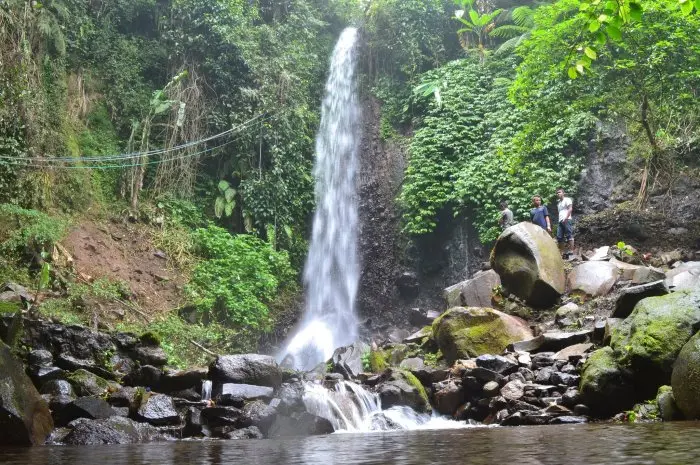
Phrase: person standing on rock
(540,215)
(565,232)
(506,219)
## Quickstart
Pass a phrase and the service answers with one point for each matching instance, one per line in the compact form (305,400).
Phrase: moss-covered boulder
(24,416)
(86,383)
(606,387)
(469,332)
(685,379)
(401,387)
(529,264)
(649,340)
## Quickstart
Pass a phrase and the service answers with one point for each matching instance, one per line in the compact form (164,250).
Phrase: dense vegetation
(107,109)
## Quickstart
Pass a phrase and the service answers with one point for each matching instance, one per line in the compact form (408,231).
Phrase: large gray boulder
(348,360)
(649,340)
(24,416)
(685,379)
(158,410)
(401,387)
(113,430)
(684,277)
(261,370)
(606,387)
(594,278)
(469,332)
(474,292)
(529,264)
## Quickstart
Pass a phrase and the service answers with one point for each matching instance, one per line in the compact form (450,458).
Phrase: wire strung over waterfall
(131,159)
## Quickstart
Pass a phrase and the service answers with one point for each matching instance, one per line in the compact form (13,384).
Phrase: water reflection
(662,444)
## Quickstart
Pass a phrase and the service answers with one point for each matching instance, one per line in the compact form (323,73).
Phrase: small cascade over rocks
(332,269)
(353,409)
(206,390)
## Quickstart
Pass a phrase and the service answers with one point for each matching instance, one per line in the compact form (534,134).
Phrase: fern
(508,31)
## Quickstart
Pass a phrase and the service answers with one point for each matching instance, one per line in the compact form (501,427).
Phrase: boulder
(684,277)
(593,278)
(632,295)
(158,410)
(251,432)
(40,358)
(576,351)
(24,416)
(556,341)
(299,424)
(599,254)
(144,376)
(647,274)
(403,388)
(649,340)
(513,390)
(568,311)
(448,397)
(668,408)
(258,414)
(627,270)
(685,379)
(420,335)
(529,264)
(469,332)
(606,387)
(261,370)
(94,408)
(474,292)
(348,360)
(86,383)
(113,430)
(238,394)
(499,364)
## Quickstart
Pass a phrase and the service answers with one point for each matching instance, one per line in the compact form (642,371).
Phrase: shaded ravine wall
(398,274)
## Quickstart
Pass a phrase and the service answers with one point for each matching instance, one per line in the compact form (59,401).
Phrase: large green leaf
(219,206)
(223,185)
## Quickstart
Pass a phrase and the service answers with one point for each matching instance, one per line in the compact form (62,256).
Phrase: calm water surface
(669,443)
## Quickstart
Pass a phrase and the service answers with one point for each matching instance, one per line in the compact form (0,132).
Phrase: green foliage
(475,148)
(28,229)
(237,278)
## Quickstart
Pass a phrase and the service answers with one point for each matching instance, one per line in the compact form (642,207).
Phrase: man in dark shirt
(540,215)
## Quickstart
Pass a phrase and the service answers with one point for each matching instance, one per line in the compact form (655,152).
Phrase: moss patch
(605,386)
(415,383)
(377,361)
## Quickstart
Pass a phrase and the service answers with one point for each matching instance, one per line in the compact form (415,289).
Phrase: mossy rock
(469,332)
(401,387)
(666,401)
(415,383)
(89,384)
(606,387)
(650,339)
(529,264)
(686,379)
(377,361)
(9,308)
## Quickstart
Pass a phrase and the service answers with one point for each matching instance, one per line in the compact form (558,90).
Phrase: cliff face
(400,274)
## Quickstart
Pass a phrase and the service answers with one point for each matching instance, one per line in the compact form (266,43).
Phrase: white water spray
(332,269)
(352,409)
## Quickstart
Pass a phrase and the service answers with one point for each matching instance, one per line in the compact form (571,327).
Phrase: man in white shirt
(565,233)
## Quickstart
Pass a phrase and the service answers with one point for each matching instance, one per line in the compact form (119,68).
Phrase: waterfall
(351,409)
(206,390)
(332,268)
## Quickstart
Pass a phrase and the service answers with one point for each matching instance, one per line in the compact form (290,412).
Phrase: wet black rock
(24,415)
(499,364)
(261,370)
(114,430)
(408,284)
(41,375)
(291,397)
(40,358)
(58,387)
(299,424)
(148,354)
(174,381)
(348,360)
(258,414)
(86,383)
(485,375)
(220,416)
(123,397)
(568,420)
(145,376)
(251,432)
(158,410)
(70,363)
(93,408)
(447,397)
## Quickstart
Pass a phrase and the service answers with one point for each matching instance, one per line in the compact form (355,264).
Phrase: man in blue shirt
(540,215)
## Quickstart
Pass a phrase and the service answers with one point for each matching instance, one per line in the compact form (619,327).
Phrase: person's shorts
(565,231)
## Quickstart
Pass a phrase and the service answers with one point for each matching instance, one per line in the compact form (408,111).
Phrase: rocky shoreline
(532,341)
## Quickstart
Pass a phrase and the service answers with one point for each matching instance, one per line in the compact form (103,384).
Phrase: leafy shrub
(22,228)
(237,279)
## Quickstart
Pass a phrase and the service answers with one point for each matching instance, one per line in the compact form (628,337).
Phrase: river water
(659,443)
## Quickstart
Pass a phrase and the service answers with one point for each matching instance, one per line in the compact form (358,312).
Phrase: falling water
(332,268)
(350,408)
(206,390)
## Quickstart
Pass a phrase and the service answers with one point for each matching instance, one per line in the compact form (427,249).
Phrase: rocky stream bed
(532,341)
